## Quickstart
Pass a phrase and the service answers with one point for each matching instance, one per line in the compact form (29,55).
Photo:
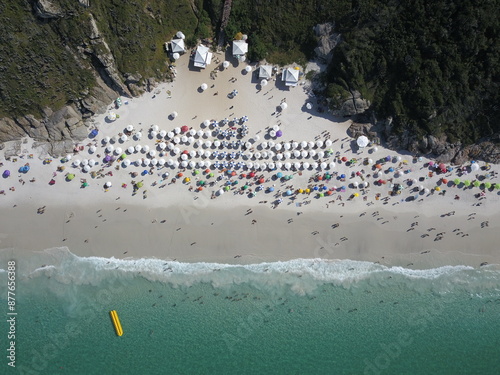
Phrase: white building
(177,46)
(290,76)
(202,57)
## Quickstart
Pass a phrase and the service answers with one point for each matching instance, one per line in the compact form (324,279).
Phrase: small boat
(116,322)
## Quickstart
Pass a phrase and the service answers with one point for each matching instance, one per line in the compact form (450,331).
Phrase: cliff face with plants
(423,75)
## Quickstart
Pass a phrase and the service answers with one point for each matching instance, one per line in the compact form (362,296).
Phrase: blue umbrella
(6,173)
(342,176)
(279,174)
(271,189)
(391,169)
(94,133)
(325,188)
(388,158)
(288,192)
(315,188)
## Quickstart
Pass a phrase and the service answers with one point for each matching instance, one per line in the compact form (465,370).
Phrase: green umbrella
(226,188)
(202,183)
(196,171)
(211,174)
(140,184)
(467,183)
(456,181)
(245,187)
(328,176)
(123,156)
(497,186)
(235,182)
(321,194)
(70,176)
(476,183)
(85,184)
(290,177)
(487,185)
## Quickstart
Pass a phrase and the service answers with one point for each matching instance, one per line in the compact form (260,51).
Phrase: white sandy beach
(168,221)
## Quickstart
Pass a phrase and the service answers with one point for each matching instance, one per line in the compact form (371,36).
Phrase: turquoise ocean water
(295,317)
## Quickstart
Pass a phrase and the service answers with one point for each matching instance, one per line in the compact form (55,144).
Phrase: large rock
(47,9)
(327,41)
(353,105)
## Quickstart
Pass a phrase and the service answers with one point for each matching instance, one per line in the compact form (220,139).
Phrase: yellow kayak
(116,322)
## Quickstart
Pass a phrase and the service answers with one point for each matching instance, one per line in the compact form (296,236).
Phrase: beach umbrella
(323,165)
(296,153)
(331,165)
(278,147)
(192,164)
(145,148)
(176,55)
(138,162)
(92,162)
(288,192)
(126,162)
(152,153)
(264,144)
(174,114)
(474,167)
(118,150)
(304,153)
(146,162)
(130,150)
(287,146)
(312,153)
(295,145)
(225,64)
(263,82)
(283,105)
(306,165)
(138,135)
(154,161)
(177,130)
(296,165)
(279,133)
(124,138)
(487,185)
(110,148)
(467,183)
(319,143)
(130,128)
(112,116)
(155,128)
(76,162)
(456,181)
(248,68)
(170,134)
(320,154)
(184,139)
(203,86)
(314,165)
(161,162)
(162,145)
(138,148)
(328,143)
(86,168)
(303,144)
(192,153)
(362,141)
(85,162)
(288,165)
(497,186)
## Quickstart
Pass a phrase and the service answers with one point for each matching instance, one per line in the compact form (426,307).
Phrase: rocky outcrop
(353,105)
(327,41)
(46,9)
(435,147)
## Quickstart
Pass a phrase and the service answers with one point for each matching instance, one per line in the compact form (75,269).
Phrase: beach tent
(202,57)
(240,48)
(290,77)
(265,72)
(177,46)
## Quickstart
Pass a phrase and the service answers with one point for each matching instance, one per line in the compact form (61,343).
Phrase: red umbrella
(320,178)
(185,152)
(329,192)
(184,129)
(444,180)
(233,173)
(261,181)
(442,166)
(207,170)
(344,159)
(358,173)
(251,174)
(243,175)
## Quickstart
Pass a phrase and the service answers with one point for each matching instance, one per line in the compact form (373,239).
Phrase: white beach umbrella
(362,141)
(265,155)
(138,162)
(217,143)
(208,144)
(108,184)
(257,155)
(310,144)
(176,164)
(206,122)
(145,148)
(304,153)
(177,130)
(309,106)
(328,143)
(176,55)
(130,128)
(124,138)
(153,134)
(106,139)
(200,133)
(202,163)
(279,165)
(184,139)
(306,165)
(220,191)
(162,145)
(256,137)
(203,86)
(92,149)
(248,68)
(208,133)
(190,140)
(321,154)
(303,144)
(192,164)
(370,161)
(77,162)
(207,154)
(162,133)
(110,148)
(249,165)
(112,116)
(287,154)
(276,128)
(146,162)
(279,156)
(284,105)
(170,162)
(278,146)
(114,138)
(287,146)
(323,165)
(154,128)
(176,140)
(184,164)
(256,165)
(296,153)
(174,114)
(152,153)
(319,143)
(263,82)
(264,144)
(161,162)
(118,150)
(312,153)
(474,167)
(375,149)
(170,146)
(192,132)
(288,165)
(138,148)
(130,150)
(184,157)
(355,184)
(271,144)
(295,145)
(192,153)
(225,64)
(126,162)
(85,162)
(314,165)
(200,152)
(331,165)
(170,134)
(271,154)
(272,133)
(138,135)
(296,165)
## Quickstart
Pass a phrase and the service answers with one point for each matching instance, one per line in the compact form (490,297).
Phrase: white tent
(240,48)
(180,35)
(202,57)
(177,45)
(290,76)
(265,72)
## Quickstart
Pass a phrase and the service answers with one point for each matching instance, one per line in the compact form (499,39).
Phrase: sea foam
(301,276)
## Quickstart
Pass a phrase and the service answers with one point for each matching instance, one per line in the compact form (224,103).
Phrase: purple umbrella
(279,133)
(107,158)
(6,173)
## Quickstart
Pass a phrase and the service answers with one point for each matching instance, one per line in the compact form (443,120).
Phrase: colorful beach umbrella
(476,183)
(456,181)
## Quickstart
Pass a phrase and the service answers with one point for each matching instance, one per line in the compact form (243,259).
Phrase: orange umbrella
(444,180)
(378,166)
(233,173)
(261,181)
(180,174)
(329,192)
(207,170)
(320,178)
